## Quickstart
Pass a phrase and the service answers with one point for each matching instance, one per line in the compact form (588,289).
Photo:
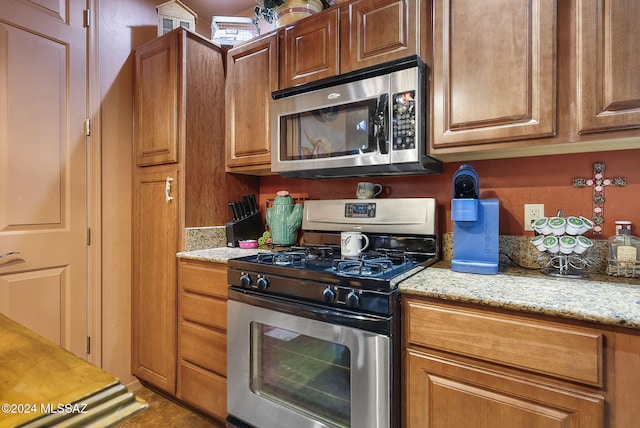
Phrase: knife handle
(234,211)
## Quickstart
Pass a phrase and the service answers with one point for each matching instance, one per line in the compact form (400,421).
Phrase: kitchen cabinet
(494,71)
(155,241)
(608,57)
(377,31)
(157,91)
(504,369)
(512,79)
(309,50)
(202,336)
(356,35)
(172,192)
(252,75)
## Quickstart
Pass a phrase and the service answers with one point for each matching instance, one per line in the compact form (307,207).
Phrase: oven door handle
(369,322)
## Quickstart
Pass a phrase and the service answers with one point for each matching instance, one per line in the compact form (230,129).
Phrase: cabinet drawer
(203,310)
(204,277)
(203,389)
(565,352)
(207,348)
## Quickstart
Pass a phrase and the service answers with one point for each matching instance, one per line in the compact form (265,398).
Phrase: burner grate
(365,267)
(283,258)
(320,253)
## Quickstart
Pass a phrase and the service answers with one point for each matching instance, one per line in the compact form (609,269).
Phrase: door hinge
(87,127)
(87,17)
(88,236)
(89,345)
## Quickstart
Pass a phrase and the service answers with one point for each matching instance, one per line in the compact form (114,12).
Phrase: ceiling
(208,8)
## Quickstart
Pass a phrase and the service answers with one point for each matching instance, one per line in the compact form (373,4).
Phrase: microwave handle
(382,123)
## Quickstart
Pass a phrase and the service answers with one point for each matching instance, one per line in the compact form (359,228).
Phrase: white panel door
(43,191)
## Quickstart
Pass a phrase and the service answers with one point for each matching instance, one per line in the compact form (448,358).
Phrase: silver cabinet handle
(11,253)
(167,189)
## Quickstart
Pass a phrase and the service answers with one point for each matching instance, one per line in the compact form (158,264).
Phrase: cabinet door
(309,51)
(494,71)
(156,108)
(446,393)
(155,243)
(377,31)
(252,74)
(608,59)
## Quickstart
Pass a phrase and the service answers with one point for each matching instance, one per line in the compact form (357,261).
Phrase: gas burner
(364,267)
(283,258)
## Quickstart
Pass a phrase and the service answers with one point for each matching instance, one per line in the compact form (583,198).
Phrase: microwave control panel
(404,120)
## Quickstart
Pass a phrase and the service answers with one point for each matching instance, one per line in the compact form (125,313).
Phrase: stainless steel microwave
(369,122)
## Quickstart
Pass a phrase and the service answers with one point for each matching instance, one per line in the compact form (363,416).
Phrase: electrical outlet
(532,212)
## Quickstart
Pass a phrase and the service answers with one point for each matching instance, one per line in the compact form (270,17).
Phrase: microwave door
(348,134)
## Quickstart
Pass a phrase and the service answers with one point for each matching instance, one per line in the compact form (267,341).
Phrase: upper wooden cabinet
(377,31)
(359,34)
(534,78)
(156,91)
(494,71)
(608,60)
(252,75)
(309,52)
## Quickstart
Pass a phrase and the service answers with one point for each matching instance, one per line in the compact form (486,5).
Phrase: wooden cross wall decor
(598,182)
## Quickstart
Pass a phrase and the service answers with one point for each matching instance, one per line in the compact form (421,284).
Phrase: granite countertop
(600,298)
(218,255)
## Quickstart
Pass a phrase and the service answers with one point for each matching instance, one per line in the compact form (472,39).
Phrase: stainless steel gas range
(313,338)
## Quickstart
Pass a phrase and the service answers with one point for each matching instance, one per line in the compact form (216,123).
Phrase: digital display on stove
(360,210)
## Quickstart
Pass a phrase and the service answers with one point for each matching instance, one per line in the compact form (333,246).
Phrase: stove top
(378,269)
(328,259)
(316,272)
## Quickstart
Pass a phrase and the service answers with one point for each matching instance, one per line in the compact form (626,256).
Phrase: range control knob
(245,280)
(262,283)
(328,295)
(352,299)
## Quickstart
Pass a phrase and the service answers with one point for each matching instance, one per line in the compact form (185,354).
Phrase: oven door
(295,365)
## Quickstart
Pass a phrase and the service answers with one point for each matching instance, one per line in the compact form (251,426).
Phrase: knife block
(250,227)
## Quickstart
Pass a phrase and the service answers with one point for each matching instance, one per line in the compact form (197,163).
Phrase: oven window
(329,132)
(303,373)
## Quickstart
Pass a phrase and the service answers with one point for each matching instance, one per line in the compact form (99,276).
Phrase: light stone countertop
(219,255)
(601,299)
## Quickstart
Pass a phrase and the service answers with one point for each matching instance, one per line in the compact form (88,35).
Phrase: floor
(163,412)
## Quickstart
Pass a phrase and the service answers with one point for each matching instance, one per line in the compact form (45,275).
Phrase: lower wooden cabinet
(202,336)
(448,393)
(467,365)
